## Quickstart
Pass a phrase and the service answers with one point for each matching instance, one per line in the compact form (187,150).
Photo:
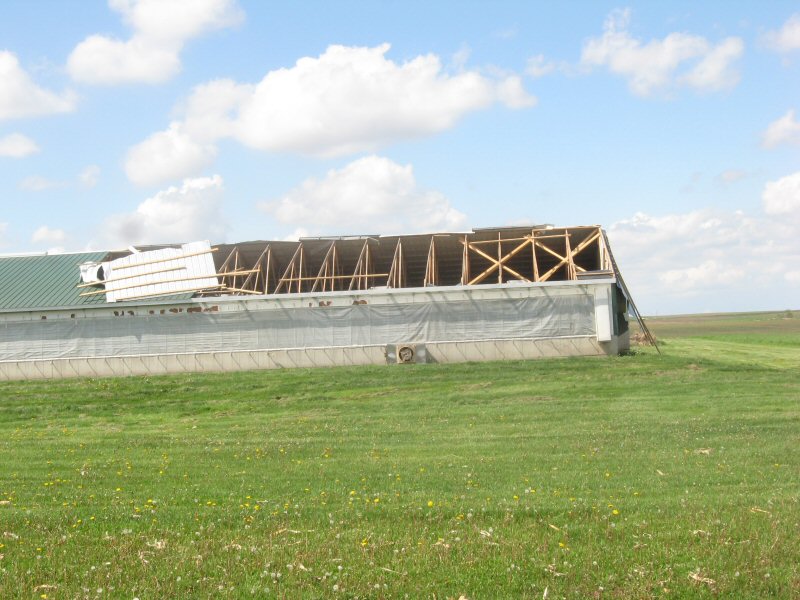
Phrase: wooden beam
(397,272)
(158,282)
(533,258)
(289,273)
(112,279)
(431,266)
(156,294)
(465,261)
(570,254)
(498,264)
(326,270)
(363,268)
(261,273)
(369,276)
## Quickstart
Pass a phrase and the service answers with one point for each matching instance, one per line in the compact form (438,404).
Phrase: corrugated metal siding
(44,281)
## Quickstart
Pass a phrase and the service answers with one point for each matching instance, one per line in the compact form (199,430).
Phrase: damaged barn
(488,294)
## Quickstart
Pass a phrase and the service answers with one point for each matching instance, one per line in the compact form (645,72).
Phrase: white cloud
(16,145)
(782,197)
(539,66)
(679,59)
(719,260)
(192,211)
(354,99)
(708,273)
(787,38)
(370,194)
(347,100)
(167,156)
(715,71)
(785,130)
(89,176)
(152,54)
(21,97)
(48,235)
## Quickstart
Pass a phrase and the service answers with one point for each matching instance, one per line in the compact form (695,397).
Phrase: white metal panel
(603,313)
(159,272)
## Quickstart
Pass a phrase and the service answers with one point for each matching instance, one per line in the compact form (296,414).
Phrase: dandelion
(615,512)
(430,503)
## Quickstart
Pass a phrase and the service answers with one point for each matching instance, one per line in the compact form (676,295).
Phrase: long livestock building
(500,293)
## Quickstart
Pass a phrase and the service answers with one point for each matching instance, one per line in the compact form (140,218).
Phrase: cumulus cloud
(21,97)
(782,197)
(708,258)
(16,145)
(89,176)
(370,194)
(48,235)
(347,100)
(166,156)
(785,130)
(160,29)
(787,38)
(679,59)
(539,66)
(354,99)
(192,211)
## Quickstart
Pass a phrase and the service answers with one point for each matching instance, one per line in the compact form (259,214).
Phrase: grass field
(629,477)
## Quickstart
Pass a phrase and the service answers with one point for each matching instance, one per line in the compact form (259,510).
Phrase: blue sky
(674,125)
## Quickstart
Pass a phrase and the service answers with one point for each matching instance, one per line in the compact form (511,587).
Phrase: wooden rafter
(231,264)
(326,277)
(363,271)
(465,261)
(294,272)
(258,282)
(431,265)
(397,272)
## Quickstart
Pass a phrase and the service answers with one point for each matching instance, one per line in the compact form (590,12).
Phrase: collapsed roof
(325,264)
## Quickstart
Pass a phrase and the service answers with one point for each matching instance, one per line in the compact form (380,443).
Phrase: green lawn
(626,477)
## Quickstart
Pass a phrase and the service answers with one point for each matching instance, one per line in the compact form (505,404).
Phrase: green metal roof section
(47,281)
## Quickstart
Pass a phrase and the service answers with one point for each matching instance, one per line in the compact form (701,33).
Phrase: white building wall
(454,324)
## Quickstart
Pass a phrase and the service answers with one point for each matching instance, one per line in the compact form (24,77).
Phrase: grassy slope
(635,476)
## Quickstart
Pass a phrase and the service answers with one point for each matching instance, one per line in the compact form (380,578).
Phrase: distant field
(783,322)
(629,477)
